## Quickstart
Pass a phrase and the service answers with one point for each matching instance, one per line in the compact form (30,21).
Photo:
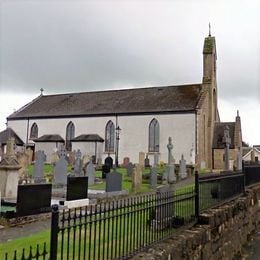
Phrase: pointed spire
(209,30)
(237,113)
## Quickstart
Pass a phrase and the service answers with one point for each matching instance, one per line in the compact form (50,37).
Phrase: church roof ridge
(122,89)
(176,98)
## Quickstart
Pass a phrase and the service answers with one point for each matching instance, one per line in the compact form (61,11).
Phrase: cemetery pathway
(23,230)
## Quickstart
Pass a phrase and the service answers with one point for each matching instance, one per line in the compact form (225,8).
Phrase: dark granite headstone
(146,162)
(109,161)
(105,170)
(113,182)
(77,188)
(33,199)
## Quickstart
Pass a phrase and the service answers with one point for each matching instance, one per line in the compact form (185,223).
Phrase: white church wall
(20,128)
(48,147)
(133,137)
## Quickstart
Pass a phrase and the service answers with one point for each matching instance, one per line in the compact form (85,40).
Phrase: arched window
(70,133)
(154,136)
(110,137)
(34,131)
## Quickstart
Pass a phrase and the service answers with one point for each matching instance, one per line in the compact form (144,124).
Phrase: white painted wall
(48,147)
(133,137)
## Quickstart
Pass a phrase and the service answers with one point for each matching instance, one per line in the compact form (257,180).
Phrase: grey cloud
(66,46)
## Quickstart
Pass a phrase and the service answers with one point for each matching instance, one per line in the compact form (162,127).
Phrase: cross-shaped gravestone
(62,152)
(227,141)
(38,166)
(170,147)
(60,170)
(78,164)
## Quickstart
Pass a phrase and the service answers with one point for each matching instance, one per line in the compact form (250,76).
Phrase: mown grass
(122,228)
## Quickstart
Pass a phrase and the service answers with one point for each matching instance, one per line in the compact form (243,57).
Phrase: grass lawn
(120,226)
(24,242)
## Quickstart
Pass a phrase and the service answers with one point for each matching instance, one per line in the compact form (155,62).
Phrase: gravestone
(113,181)
(141,159)
(78,164)
(137,178)
(227,141)
(171,173)
(29,152)
(146,162)
(77,188)
(54,158)
(170,167)
(38,166)
(182,168)
(109,162)
(9,171)
(23,159)
(126,161)
(164,210)
(170,147)
(90,173)
(60,169)
(33,199)
(156,159)
(130,169)
(105,170)
(192,155)
(153,178)
(86,159)
(239,161)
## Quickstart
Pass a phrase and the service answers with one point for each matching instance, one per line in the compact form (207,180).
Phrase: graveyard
(104,206)
(30,188)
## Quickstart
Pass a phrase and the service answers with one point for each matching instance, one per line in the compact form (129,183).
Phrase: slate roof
(49,138)
(88,138)
(125,101)
(8,133)
(219,133)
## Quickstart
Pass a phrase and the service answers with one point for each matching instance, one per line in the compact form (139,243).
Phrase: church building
(122,123)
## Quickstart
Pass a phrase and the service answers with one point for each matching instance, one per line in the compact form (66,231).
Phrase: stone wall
(220,234)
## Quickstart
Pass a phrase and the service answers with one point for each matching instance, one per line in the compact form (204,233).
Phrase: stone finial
(41,89)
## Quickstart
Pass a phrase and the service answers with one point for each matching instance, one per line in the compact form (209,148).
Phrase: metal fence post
(197,203)
(54,232)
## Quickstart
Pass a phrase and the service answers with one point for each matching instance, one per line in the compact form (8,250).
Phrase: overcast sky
(69,46)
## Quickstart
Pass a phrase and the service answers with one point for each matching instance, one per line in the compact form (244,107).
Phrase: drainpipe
(27,134)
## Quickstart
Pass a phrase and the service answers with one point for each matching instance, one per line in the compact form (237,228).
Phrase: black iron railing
(215,189)
(252,174)
(121,228)
(38,253)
